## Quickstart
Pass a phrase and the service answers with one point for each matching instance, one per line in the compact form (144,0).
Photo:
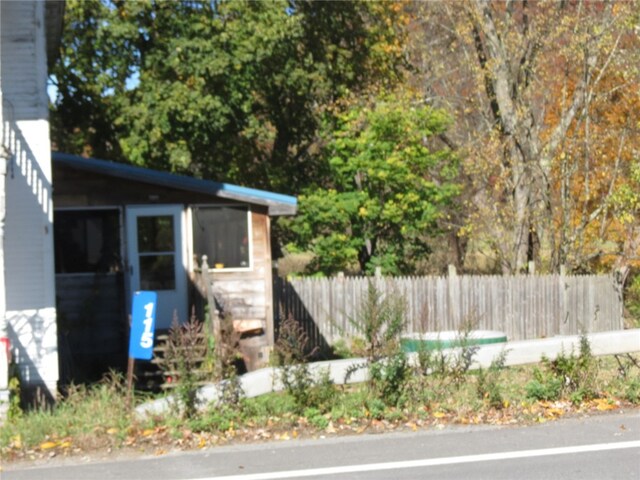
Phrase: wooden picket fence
(523,307)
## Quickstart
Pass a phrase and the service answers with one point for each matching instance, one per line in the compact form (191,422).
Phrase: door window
(156,250)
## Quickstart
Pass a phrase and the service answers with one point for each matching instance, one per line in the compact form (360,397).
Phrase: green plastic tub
(449,339)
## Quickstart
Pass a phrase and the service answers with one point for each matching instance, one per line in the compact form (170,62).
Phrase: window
(87,241)
(156,251)
(222,234)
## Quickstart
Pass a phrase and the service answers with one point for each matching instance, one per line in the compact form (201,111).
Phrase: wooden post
(452,270)
(532,268)
(214,315)
(453,297)
(130,366)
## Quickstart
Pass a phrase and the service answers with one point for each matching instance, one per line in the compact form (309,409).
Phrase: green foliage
(629,376)
(388,187)
(488,386)
(97,417)
(389,378)
(292,352)
(381,321)
(632,300)
(230,90)
(81,414)
(316,418)
(544,386)
(14,411)
(573,376)
(632,391)
(626,197)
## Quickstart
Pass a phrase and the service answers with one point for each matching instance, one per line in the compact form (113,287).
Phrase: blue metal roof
(278,204)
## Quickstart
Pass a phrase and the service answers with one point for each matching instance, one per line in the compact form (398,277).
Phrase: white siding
(24,76)
(28,243)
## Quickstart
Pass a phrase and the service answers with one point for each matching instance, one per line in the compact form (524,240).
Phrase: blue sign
(143,323)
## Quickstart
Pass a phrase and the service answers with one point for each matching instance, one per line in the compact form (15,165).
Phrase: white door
(157,258)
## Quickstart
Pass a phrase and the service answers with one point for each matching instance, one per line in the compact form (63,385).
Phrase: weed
(450,367)
(380,325)
(543,386)
(292,353)
(316,418)
(488,387)
(376,408)
(14,411)
(389,378)
(573,376)
(186,348)
(628,369)
(82,415)
(632,391)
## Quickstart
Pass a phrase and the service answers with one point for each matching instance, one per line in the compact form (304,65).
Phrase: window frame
(121,233)
(195,263)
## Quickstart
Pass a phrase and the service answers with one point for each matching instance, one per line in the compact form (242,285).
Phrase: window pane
(87,241)
(157,272)
(222,234)
(155,234)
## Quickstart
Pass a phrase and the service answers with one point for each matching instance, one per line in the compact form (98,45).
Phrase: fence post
(453,297)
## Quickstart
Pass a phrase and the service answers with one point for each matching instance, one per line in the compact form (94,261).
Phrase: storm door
(156,258)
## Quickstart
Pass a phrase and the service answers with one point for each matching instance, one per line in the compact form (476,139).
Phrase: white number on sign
(146,340)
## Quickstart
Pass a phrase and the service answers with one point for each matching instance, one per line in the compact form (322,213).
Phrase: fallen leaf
(48,445)
(603,404)
(553,412)
(439,414)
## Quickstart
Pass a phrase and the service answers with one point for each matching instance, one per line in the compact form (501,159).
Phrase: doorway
(156,253)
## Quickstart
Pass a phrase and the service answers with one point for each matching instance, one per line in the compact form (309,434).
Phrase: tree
(389,185)
(523,79)
(231,90)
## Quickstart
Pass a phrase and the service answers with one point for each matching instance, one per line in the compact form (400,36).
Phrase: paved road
(598,447)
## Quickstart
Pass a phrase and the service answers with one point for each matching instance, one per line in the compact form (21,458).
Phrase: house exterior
(120,228)
(64,304)
(27,287)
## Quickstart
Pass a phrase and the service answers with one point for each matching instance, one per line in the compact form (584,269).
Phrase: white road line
(430,462)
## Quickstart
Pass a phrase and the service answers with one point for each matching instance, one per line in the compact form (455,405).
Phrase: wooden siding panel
(247,294)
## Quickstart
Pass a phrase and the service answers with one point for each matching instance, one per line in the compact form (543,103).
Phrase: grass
(97,419)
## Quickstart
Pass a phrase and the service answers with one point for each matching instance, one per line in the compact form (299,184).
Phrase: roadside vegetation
(431,391)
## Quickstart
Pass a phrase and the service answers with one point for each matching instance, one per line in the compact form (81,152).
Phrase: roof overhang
(277,203)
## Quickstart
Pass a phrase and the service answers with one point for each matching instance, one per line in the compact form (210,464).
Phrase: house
(117,228)
(120,228)
(27,287)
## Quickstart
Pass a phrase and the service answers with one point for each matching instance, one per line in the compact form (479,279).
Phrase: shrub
(292,353)
(380,324)
(488,386)
(573,376)
(544,386)
(185,349)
